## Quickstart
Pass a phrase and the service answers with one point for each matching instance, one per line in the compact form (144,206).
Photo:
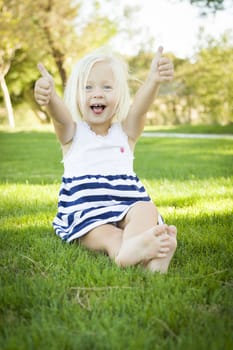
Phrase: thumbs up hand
(44,88)
(161,68)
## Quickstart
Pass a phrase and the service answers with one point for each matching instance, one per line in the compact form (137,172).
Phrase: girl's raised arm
(161,70)
(45,95)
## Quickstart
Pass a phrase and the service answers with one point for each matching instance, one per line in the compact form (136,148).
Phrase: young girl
(102,203)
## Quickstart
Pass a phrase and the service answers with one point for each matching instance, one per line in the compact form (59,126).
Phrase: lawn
(193,129)
(59,296)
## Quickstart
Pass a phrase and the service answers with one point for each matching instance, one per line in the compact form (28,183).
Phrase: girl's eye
(107,87)
(88,87)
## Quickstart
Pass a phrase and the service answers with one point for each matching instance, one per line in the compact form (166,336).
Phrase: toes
(164,250)
(172,230)
(162,255)
(160,229)
(165,237)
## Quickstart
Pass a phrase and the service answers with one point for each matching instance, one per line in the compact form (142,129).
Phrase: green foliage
(59,296)
(45,31)
(203,87)
(52,32)
(201,91)
(209,5)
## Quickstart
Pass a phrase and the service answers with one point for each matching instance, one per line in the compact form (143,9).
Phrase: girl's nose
(97,93)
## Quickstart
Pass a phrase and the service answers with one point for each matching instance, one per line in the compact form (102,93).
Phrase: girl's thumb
(159,52)
(157,57)
(43,71)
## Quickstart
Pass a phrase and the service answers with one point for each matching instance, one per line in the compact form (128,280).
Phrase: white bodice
(92,154)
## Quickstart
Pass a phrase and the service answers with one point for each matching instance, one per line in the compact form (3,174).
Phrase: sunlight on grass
(174,199)
(192,197)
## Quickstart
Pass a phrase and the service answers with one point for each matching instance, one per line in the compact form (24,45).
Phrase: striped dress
(99,185)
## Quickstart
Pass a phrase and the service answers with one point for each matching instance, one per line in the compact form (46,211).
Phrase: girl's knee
(149,208)
(143,211)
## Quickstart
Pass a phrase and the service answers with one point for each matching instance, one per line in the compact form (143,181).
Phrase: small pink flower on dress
(122,149)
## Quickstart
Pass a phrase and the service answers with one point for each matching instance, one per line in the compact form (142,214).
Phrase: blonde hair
(74,90)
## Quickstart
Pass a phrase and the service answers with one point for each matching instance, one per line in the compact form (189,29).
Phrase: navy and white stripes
(88,201)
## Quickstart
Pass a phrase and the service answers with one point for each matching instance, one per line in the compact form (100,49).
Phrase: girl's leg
(137,239)
(142,238)
(141,217)
(106,238)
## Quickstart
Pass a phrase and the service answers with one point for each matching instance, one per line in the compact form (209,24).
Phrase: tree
(213,5)
(43,30)
(205,85)
(202,88)
(8,46)
(207,6)
(215,79)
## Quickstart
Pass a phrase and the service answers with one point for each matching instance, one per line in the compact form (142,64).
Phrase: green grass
(59,296)
(193,129)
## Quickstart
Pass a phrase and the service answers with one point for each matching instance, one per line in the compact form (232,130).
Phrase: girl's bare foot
(153,243)
(161,264)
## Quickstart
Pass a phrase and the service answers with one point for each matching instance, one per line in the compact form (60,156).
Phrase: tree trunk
(57,55)
(7,100)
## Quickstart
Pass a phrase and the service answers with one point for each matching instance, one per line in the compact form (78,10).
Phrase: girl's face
(100,96)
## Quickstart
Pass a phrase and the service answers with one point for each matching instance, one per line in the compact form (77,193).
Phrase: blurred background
(196,34)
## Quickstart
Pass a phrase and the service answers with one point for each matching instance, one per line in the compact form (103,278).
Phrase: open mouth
(98,108)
